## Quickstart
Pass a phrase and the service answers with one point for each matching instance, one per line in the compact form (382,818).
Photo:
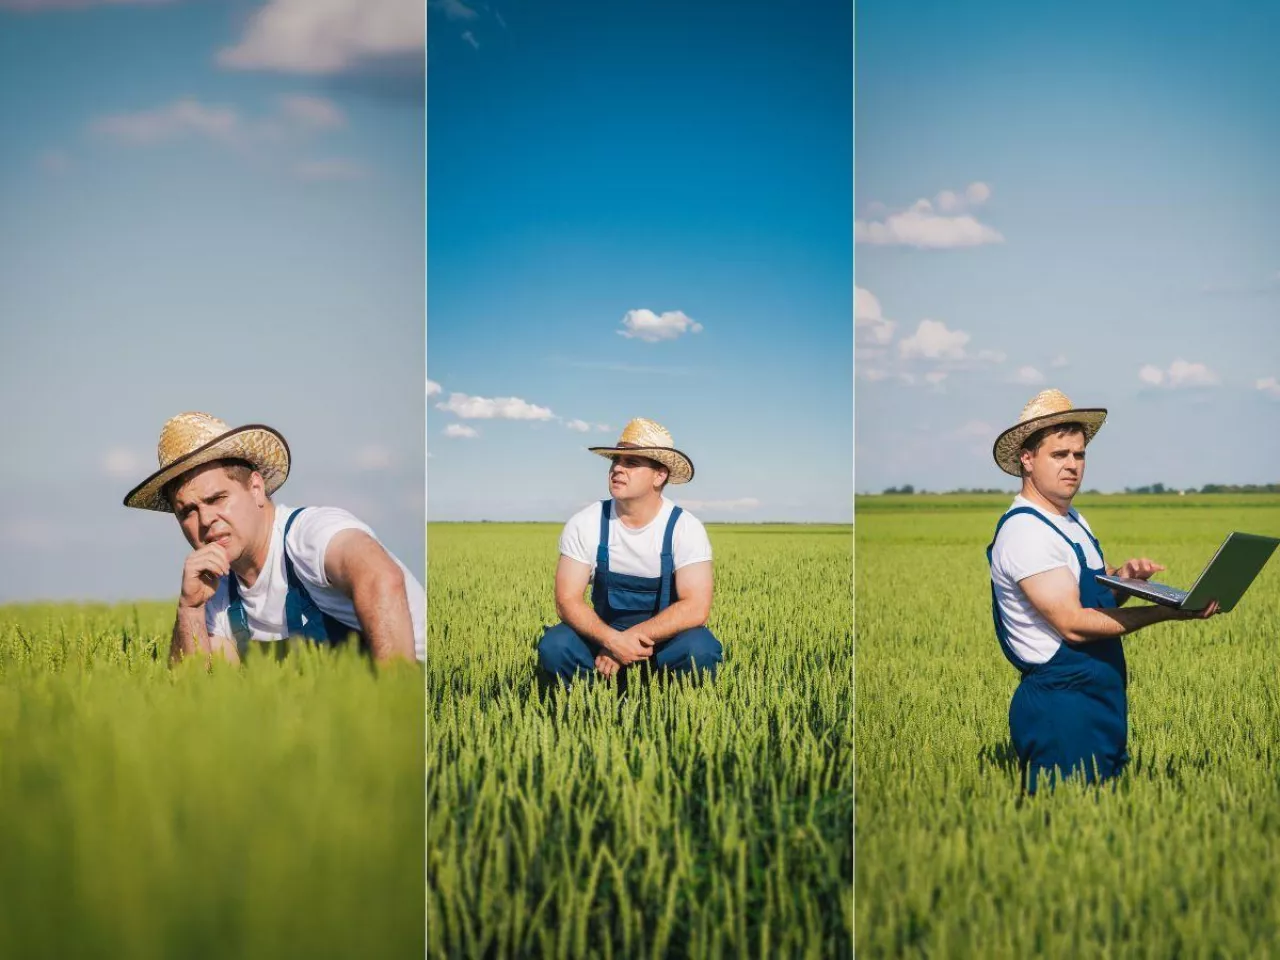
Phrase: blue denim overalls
(622,600)
(302,617)
(1071,712)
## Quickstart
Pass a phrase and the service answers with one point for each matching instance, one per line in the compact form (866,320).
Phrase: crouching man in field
(648,562)
(262,572)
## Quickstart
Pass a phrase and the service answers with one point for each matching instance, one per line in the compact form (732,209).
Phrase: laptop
(1228,575)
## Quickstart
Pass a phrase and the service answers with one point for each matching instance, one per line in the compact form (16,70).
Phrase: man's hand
(630,646)
(607,666)
(1139,569)
(1205,614)
(200,575)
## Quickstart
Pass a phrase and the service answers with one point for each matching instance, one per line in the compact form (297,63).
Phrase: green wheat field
(671,821)
(1180,859)
(269,811)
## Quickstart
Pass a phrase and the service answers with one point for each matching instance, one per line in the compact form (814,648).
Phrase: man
(264,572)
(1054,621)
(649,565)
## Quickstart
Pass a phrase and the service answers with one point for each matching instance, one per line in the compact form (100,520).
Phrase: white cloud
(729,506)
(121,462)
(651,327)
(579,426)
(603,428)
(499,408)
(869,322)
(460,430)
(432,388)
(939,225)
(373,457)
(327,36)
(948,202)
(453,9)
(935,377)
(1028,376)
(1059,361)
(55,161)
(1185,374)
(933,341)
(315,113)
(330,169)
(977,193)
(470,37)
(295,116)
(976,430)
(991,356)
(875,375)
(1181,373)
(1270,386)
(181,118)
(39,6)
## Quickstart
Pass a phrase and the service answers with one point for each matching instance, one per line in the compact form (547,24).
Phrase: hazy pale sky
(202,213)
(1080,196)
(640,209)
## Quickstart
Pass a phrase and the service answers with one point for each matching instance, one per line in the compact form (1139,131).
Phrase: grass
(1181,858)
(677,820)
(272,810)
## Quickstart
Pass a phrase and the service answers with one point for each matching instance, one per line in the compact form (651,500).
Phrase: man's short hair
(1033,441)
(238,470)
(659,465)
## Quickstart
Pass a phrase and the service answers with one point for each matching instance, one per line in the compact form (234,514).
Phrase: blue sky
(207,206)
(639,209)
(1099,216)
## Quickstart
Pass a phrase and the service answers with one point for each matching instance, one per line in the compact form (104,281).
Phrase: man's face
(631,477)
(213,506)
(1057,466)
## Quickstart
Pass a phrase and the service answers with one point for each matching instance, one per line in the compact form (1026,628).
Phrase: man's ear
(258,487)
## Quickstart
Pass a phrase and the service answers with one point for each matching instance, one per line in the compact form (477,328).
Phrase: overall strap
(599,590)
(1092,539)
(667,561)
(235,612)
(294,602)
(1052,526)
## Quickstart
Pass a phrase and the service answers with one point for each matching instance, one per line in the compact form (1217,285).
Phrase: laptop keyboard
(1160,589)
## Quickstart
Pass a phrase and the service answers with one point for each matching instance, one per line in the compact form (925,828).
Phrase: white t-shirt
(1026,546)
(635,552)
(308,539)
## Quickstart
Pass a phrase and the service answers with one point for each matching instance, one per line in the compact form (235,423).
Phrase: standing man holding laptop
(1056,624)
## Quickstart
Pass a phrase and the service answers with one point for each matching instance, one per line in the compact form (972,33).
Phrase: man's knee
(702,648)
(561,650)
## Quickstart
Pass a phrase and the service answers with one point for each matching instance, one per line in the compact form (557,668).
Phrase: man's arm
(694,587)
(357,564)
(1056,595)
(625,646)
(200,574)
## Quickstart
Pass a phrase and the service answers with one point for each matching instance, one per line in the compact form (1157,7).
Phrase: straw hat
(190,440)
(1046,409)
(644,438)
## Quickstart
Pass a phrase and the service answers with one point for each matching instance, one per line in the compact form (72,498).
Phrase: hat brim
(1009,443)
(255,443)
(679,467)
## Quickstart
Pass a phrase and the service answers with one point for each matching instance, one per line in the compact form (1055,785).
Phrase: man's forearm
(586,622)
(680,616)
(1098,624)
(383,611)
(189,633)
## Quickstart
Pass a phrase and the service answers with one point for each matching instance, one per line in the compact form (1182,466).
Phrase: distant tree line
(907,488)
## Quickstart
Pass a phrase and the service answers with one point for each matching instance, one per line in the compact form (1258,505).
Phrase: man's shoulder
(1023,528)
(588,514)
(314,526)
